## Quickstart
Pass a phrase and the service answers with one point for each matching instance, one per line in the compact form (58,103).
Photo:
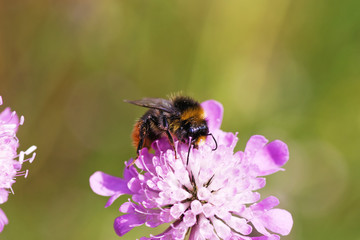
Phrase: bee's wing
(157,103)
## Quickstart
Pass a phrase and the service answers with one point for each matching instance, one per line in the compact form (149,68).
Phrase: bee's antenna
(216,145)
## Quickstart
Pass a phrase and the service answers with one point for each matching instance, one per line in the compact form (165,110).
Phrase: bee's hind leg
(144,128)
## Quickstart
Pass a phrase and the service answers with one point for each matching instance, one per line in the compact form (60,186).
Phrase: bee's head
(196,131)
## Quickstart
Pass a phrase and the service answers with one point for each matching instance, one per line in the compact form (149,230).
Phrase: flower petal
(222,230)
(277,220)
(206,229)
(3,220)
(257,183)
(195,233)
(112,199)
(271,158)
(3,195)
(178,209)
(266,204)
(125,223)
(227,139)
(189,218)
(240,225)
(255,144)
(9,117)
(271,237)
(213,113)
(107,185)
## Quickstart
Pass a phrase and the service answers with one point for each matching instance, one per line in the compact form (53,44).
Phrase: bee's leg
(144,127)
(171,140)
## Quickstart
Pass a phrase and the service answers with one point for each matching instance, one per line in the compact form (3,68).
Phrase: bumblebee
(179,117)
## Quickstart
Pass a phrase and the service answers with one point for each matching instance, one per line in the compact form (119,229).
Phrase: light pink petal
(3,195)
(266,204)
(125,223)
(153,220)
(178,209)
(189,218)
(227,139)
(195,233)
(9,117)
(127,207)
(213,113)
(196,207)
(178,232)
(165,216)
(134,185)
(240,225)
(257,183)
(107,185)
(151,216)
(3,220)
(259,226)
(271,237)
(235,236)
(248,197)
(161,145)
(112,199)
(206,229)
(144,162)
(277,220)
(222,230)
(130,172)
(166,234)
(255,144)
(271,158)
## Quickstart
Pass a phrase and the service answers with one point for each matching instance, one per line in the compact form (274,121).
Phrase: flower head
(212,197)
(10,160)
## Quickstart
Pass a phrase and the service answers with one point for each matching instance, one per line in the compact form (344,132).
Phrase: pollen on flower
(213,196)
(10,161)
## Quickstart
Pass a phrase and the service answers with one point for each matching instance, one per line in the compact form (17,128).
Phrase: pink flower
(213,197)
(10,161)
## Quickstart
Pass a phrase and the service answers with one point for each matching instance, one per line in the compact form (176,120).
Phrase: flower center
(198,193)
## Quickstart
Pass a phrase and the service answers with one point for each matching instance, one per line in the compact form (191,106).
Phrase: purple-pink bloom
(213,197)
(10,161)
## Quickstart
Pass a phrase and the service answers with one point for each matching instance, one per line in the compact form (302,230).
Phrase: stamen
(21,157)
(32,158)
(21,120)
(143,163)
(30,149)
(209,182)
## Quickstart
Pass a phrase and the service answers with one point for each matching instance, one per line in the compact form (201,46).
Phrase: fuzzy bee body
(180,118)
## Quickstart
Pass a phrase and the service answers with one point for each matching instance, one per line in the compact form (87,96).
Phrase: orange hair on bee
(135,135)
(201,140)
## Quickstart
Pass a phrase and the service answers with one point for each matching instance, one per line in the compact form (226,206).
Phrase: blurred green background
(288,70)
